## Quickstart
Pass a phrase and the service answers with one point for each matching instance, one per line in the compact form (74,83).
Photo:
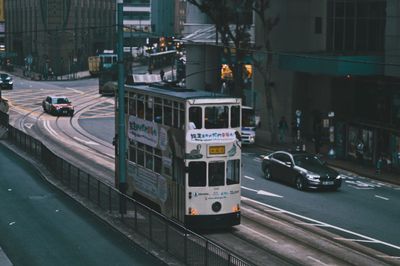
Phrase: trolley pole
(121,107)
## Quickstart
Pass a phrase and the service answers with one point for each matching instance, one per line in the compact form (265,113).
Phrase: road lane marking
(248,177)
(86,141)
(50,129)
(355,240)
(316,260)
(266,217)
(326,224)
(262,192)
(380,197)
(258,233)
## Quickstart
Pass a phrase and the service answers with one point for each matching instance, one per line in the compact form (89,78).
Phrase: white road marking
(28,125)
(86,141)
(262,192)
(316,260)
(388,257)
(258,233)
(50,129)
(248,177)
(266,217)
(12,223)
(326,224)
(356,240)
(74,90)
(380,197)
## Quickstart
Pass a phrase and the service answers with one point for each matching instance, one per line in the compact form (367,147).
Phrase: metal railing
(185,245)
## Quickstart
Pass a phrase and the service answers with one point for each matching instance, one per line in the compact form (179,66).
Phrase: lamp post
(121,105)
(298,132)
(331,152)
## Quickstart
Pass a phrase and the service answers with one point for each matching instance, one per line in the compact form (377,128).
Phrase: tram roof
(177,92)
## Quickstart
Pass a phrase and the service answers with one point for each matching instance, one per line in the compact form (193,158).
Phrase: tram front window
(216,174)
(197,174)
(216,117)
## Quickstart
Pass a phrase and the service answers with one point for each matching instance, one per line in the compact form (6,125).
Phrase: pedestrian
(162,73)
(283,128)
(360,150)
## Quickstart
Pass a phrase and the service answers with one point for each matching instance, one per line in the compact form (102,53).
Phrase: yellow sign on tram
(214,150)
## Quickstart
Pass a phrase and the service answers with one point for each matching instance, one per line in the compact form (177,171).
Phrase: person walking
(162,73)
(283,129)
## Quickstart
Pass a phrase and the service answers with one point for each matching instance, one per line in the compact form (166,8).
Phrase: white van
(248,125)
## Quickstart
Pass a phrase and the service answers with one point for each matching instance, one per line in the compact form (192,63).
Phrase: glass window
(149,108)
(197,174)
(132,154)
(149,160)
(167,113)
(158,113)
(157,164)
(132,106)
(216,174)
(140,107)
(216,117)
(235,116)
(233,172)
(140,157)
(195,117)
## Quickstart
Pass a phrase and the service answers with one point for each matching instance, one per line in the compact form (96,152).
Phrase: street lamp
(331,152)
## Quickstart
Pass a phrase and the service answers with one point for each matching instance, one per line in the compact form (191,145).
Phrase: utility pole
(121,105)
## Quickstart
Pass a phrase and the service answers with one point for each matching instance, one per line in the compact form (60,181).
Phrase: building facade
(59,34)
(338,56)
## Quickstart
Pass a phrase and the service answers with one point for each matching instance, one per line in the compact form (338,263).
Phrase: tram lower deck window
(197,174)
(233,172)
(216,174)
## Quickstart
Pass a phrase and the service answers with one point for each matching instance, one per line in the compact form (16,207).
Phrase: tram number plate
(216,150)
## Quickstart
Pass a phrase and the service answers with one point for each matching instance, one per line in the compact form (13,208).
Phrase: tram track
(265,237)
(280,239)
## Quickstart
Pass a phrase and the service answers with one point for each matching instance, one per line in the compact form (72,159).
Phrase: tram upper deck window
(235,116)
(195,117)
(216,174)
(197,174)
(216,117)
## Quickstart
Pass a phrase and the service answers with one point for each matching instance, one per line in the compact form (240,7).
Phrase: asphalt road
(363,210)
(40,225)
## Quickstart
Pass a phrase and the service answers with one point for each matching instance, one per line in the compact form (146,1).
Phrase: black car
(6,82)
(301,169)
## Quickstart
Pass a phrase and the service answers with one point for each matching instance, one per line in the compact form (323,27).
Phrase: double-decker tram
(184,156)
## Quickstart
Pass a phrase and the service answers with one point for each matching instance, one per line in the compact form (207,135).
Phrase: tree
(265,66)
(232,23)
(229,17)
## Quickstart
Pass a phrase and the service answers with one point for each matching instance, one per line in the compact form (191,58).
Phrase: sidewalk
(348,165)
(18,71)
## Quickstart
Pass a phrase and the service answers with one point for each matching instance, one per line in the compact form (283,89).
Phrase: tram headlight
(193,211)
(236,208)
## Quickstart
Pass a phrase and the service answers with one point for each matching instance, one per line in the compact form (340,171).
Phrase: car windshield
(61,100)
(306,160)
(3,76)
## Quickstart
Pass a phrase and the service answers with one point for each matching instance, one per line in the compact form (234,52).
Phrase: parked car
(301,169)
(6,81)
(58,105)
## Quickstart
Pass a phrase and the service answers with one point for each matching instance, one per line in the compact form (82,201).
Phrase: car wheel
(299,183)
(267,173)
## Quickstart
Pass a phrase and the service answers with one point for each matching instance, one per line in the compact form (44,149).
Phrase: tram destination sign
(215,150)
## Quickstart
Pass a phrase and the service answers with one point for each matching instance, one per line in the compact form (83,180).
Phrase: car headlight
(339,176)
(312,177)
